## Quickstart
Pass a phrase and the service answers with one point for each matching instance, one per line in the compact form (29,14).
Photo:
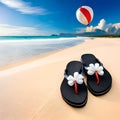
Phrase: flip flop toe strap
(74,80)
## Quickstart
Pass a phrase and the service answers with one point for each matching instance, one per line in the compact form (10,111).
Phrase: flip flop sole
(99,93)
(75,105)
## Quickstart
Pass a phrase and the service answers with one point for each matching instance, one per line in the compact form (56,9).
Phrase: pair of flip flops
(73,88)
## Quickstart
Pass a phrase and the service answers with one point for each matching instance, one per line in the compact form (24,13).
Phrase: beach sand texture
(31,91)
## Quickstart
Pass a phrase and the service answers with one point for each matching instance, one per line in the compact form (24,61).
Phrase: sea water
(17,48)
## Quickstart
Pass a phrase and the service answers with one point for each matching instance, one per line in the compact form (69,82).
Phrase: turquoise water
(28,37)
(14,49)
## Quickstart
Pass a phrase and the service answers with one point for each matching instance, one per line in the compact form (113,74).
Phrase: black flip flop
(73,88)
(99,80)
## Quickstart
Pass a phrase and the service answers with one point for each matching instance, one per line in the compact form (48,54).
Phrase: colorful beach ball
(84,15)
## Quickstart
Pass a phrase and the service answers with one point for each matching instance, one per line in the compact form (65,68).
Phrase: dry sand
(31,91)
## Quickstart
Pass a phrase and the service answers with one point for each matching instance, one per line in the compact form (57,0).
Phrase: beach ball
(84,15)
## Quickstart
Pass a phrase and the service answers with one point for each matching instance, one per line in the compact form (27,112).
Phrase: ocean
(17,48)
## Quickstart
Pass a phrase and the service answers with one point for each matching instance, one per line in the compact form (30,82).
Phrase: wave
(20,49)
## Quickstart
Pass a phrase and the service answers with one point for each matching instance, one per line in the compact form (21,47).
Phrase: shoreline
(24,46)
(38,57)
(34,58)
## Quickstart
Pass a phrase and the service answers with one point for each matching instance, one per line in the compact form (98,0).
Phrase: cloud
(90,29)
(10,30)
(80,30)
(110,29)
(23,7)
(113,29)
(101,26)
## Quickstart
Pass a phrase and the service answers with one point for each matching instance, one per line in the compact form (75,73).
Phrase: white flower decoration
(77,77)
(95,68)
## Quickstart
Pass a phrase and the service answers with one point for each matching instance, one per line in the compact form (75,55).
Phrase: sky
(45,17)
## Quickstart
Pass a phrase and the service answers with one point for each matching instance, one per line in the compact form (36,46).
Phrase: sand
(31,91)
